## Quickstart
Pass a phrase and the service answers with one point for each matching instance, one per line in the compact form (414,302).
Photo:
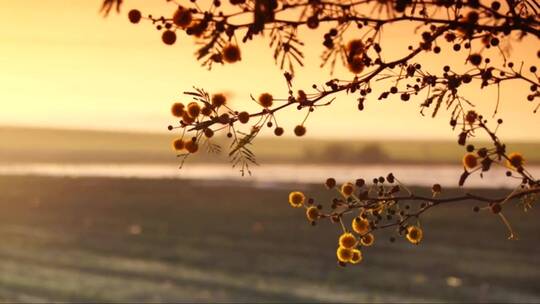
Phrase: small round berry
(330,183)
(405,96)
(243,117)
(360,182)
(278,131)
(347,189)
(231,53)
(475,59)
(208,133)
(312,22)
(134,16)
(168,37)
(299,130)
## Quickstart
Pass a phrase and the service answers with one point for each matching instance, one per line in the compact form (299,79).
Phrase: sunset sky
(63,65)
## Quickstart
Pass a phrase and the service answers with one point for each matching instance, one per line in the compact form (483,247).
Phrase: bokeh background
(95,209)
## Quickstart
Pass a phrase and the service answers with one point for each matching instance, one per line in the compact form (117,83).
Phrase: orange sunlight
(63,65)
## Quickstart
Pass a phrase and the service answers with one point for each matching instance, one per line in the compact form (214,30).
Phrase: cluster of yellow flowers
(183,19)
(214,110)
(191,113)
(471,161)
(360,235)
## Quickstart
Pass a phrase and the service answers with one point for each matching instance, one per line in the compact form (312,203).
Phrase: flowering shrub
(481,29)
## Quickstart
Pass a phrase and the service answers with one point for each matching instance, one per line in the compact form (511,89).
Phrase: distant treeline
(22,145)
(343,153)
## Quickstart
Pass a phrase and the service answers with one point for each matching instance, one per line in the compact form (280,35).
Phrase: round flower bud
(231,53)
(243,117)
(168,37)
(347,189)
(134,16)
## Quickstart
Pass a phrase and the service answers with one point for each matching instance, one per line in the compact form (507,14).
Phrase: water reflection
(269,174)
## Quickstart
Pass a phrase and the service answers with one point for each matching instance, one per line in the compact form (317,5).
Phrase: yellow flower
(182,17)
(470,161)
(360,225)
(191,146)
(231,53)
(347,240)
(296,199)
(356,256)
(414,234)
(193,109)
(347,189)
(178,144)
(367,240)
(177,109)
(266,100)
(471,117)
(515,160)
(344,254)
(355,46)
(312,213)
(218,100)
(356,65)
(206,111)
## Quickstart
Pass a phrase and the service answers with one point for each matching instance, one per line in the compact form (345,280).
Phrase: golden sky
(63,65)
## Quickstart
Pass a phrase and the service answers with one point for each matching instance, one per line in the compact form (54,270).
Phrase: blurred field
(83,146)
(125,240)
